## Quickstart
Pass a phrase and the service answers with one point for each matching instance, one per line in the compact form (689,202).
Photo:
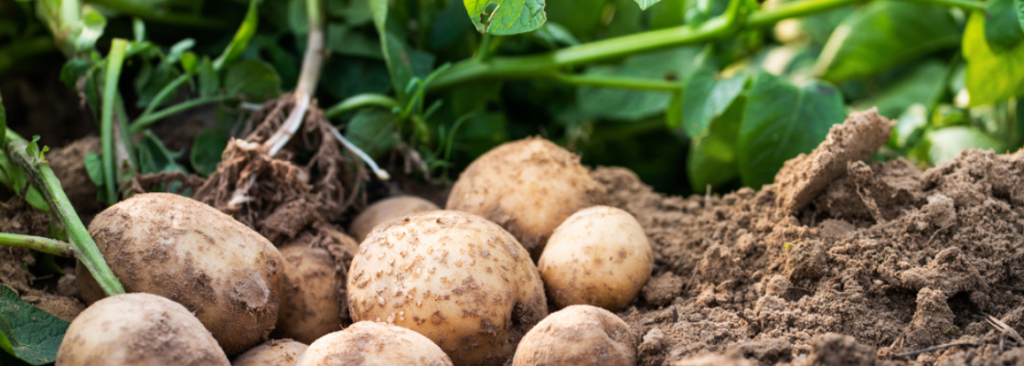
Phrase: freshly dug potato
(311,300)
(528,187)
(387,209)
(138,330)
(576,336)
(189,252)
(455,277)
(275,352)
(374,344)
(599,256)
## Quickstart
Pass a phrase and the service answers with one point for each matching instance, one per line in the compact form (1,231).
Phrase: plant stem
(39,244)
(114,62)
(617,82)
(359,101)
(795,9)
(146,120)
(308,78)
(129,7)
(164,93)
(962,4)
(48,184)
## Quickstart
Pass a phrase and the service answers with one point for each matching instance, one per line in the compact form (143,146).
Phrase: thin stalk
(38,243)
(308,78)
(146,120)
(114,62)
(145,13)
(795,9)
(962,4)
(164,93)
(618,82)
(48,184)
(360,101)
(126,161)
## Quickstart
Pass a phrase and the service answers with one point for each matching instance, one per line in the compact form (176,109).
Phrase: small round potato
(138,330)
(599,256)
(387,209)
(528,187)
(311,300)
(186,251)
(578,335)
(456,278)
(374,344)
(275,352)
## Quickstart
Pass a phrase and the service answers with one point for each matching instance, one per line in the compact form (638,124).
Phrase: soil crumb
(839,262)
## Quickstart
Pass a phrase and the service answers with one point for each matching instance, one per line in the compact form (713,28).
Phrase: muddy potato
(311,298)
(456,278)
(276,352)
(576,336)
(599,256)
(189,252)
(138,330)
(374,344)
(528,187)
(387,209)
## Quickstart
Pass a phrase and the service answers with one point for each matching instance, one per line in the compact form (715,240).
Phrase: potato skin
(374,344)
(138,330)
(275,352)
(311,299)
(528,187)
(186,251)
(576,336)
(458,279)
(387,209)
(599,256)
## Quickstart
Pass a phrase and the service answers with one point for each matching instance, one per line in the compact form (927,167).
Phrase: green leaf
(885,34)
(94,168)
(27,332)
(1019,6)
(924,84)
(207,151)
(712,157)
(138,30)
(242,37)
(374,131)
(781,121)
(644,4)
(910,126)
(3,122)
(403,64)
(154,156)
(674,113)
(942,145)
(506,17)
(706,97)
(152,80)
(255,80)
(209,81)
(990,77)
(36,200)
(1002,28)
(13,173)
(179,49)
(89,30)
(345,41)
(74,70)
(634,105)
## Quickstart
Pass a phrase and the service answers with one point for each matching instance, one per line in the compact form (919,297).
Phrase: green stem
(38,243)
(114,62)
(146,13)
(968,5)
(617,82)
(795,9)
(48,184)
(360,101)
(164,93)
(146,120)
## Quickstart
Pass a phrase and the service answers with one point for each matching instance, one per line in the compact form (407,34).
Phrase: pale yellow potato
(186,251)
(387,209)
(599,256)
(312,294)
(578,335)
(374,344)
(528,187)
(275,352)
(460,280)
(138,330)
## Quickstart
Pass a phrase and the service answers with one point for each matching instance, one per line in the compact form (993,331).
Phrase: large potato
(578,335)
(528,187)
(189,252)
(374,344)
(277,352)
(599,256)
(311,301)
(454,277)
(387,209)
(138,330)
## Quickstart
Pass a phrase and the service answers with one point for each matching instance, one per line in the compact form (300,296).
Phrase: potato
(276,352)
(138,330)
(528,187)
(387,209)
(189,252)
(311,301)
(599,256)
(456,278)
(578,335)
(374,344)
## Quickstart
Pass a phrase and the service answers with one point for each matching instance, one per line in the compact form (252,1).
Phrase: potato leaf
(207,150)
(255,80)
(373,131)
(403,64)
(924,84)
(634,105)
(706,97)
(942,145)
(242,37)
(506,17)
(644,4)
(1002,28)
(991,77)
(712,157)
(781,121)
(28,333)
